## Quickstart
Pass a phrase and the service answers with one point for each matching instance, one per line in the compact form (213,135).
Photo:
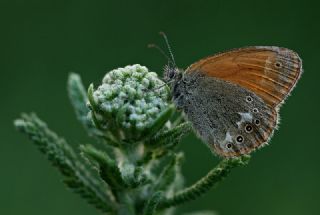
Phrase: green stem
(126,204)
(152,204)
(202,186)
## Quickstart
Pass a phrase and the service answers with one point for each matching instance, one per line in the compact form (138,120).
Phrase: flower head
(128,101)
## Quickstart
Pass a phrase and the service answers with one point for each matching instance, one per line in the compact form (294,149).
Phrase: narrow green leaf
(165,141)
(159,122)
(108,169)
(90,97)
(62,156)
(169,173)
(167,137)
(202,186)
(79,99)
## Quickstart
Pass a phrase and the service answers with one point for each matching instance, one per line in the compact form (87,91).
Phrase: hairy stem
(204,184)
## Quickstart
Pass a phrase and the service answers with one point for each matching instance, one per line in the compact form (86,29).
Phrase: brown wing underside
(270,72)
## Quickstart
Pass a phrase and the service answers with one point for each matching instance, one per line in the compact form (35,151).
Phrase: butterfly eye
(239,139)
(248,128)
(249,99)
(255,110)
(257,122)
(171,74)
(278,65)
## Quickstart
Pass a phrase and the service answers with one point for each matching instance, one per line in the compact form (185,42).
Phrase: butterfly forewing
(270,72)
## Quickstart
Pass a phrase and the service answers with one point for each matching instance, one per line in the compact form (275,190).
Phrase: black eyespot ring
(249,99)
(257,122)
(278,65)
(248,128)
(239,139)
(255,110)
(229,145)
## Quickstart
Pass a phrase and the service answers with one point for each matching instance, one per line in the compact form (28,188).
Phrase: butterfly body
(232,99)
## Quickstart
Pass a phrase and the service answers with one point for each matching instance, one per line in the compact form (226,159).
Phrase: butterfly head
(172,74)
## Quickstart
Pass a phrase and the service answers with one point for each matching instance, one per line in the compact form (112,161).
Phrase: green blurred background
(41,41)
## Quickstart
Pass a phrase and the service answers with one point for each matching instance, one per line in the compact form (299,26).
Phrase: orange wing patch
(270,72)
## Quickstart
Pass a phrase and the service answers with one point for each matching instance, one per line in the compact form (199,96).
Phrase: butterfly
(232,99)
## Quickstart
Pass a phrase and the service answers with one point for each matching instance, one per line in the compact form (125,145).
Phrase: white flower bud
(129,98)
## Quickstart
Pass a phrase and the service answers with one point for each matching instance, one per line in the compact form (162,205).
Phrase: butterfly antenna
(161,51)
(168,46)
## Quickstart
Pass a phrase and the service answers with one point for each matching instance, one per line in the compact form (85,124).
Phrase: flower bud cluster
(128,101)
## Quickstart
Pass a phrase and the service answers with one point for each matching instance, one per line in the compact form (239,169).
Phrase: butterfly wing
(222,115)
(232,98)
(270,72)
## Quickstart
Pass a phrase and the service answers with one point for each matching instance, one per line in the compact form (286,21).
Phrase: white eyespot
(228,145)
(278,64)
(248,128)
(255,110)
(239,139)
(249,99)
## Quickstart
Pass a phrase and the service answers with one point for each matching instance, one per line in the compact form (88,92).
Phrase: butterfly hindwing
(221,111)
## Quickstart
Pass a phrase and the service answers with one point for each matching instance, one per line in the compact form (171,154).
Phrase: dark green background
(42,41)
